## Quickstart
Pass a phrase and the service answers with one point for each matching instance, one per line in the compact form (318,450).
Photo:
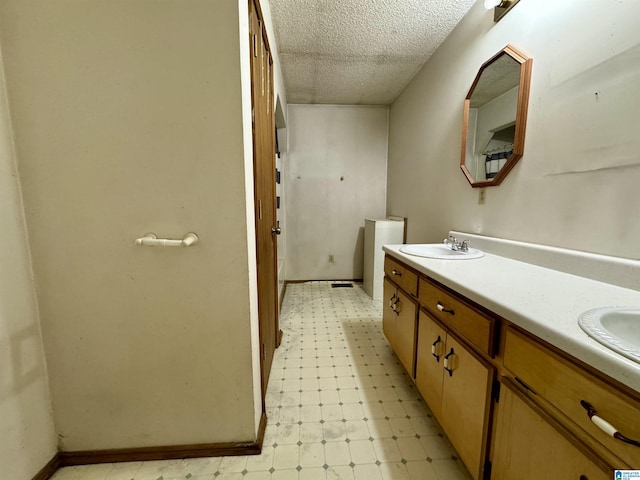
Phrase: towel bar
(152,240)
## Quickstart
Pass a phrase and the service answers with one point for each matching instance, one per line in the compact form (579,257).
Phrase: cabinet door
(566,385)
(405,332)
(527,447)
(429,360)
(388,314)
(466,394)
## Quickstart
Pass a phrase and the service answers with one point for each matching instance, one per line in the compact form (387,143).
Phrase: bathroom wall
(28,439)
(577,182)
(335,178)
(130,117)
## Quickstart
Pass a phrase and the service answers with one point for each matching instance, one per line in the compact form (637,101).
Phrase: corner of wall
(245,76)
(30,439)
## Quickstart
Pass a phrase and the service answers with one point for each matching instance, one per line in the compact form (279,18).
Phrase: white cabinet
(376,234)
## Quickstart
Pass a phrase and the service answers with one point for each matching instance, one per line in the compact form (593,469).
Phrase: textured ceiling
(358,51)
(497,78)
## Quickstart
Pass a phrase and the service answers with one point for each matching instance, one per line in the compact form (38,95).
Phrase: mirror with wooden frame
(495,118)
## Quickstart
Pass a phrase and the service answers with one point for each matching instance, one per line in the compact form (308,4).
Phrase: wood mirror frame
(519,126)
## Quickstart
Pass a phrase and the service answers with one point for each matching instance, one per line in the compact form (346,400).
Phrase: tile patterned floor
(339,406)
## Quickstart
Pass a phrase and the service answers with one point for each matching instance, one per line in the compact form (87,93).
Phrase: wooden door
(388,314)
(527,447)
(466,396)
(429,360)
(264,188)
(405,333)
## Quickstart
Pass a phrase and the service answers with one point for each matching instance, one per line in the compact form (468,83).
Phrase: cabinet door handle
(605,426)
(397,306)
(392,305)
(449,362)
(396,273)
(442,308)
(435,348)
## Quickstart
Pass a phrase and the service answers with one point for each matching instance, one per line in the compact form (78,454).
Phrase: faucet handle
(464,246)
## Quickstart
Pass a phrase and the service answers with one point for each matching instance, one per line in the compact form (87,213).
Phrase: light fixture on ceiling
(500,7)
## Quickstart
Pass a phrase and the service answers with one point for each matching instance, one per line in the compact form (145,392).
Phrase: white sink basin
(440,251)
(617,328)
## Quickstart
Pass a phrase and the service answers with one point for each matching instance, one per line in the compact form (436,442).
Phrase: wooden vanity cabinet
(456,384)
(477,328)
(536,425)
(566,389)
(388,311)
(402,276)
(399,324)
(432,344)
(460,394)
(529,445)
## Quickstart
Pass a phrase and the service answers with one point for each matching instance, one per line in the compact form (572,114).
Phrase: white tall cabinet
(376,234)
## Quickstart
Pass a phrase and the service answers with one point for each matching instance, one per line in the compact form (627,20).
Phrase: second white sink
(440,251)
(617,328)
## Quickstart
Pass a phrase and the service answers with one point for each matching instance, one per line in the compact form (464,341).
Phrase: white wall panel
(335,178)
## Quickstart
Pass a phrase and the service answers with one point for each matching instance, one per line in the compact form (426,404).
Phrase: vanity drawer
(477,328)
(401,275)
(566,385)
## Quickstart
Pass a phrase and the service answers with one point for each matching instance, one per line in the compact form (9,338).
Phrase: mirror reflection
(495,115)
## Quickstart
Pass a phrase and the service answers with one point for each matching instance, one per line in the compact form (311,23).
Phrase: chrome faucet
(452,241)
(455,245)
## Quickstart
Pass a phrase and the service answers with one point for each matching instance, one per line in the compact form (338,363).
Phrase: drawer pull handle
(449,362)
(396,273)
(605,426)
(436,351)
(442,308)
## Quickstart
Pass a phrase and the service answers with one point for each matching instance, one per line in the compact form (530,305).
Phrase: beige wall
(28,439)
(128,118)
(334,179)
(577,183)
